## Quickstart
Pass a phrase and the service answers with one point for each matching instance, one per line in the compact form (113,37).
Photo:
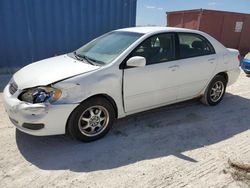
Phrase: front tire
(91,120)
(215,91)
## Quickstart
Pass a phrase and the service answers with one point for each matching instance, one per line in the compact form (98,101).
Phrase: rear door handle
(211,60)
(174,67)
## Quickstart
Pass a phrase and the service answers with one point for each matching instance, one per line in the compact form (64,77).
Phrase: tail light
(239,58)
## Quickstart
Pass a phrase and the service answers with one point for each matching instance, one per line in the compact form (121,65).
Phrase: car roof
(146,30)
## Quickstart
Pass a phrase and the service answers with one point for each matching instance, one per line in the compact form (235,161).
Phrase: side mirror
(136,61)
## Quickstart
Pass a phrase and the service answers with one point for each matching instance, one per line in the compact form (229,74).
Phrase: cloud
(212,3)
(153,7)
(150,7)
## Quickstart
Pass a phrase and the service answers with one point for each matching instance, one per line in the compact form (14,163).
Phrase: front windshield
(107,47)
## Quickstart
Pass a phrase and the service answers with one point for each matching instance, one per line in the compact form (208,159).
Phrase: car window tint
(156,49)
(192,45)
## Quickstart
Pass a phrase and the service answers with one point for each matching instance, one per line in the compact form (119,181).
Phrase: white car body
(130,90)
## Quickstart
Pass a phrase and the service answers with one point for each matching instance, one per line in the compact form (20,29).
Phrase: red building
(230,28)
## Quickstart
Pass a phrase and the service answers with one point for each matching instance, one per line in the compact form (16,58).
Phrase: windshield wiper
(77,56)
(96,61)
(88,60)
(80,58)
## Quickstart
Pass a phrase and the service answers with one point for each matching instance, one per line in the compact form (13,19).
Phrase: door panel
(194,74)
(197,61)
(149,86)
(155,83)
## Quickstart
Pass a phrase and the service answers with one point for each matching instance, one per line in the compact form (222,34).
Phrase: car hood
(50,70)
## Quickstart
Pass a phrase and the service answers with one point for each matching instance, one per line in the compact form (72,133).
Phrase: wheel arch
(101,95)
(204,98)
(108,98)
(224,74)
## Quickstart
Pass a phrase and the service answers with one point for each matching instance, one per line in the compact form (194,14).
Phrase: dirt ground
(184,145)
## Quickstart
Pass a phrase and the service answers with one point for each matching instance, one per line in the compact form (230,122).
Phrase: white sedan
(120,73)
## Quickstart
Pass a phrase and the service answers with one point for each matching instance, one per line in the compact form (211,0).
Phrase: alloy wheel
(93,121)
(217,91)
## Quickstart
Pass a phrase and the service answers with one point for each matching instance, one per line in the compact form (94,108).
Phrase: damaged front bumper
(37,119)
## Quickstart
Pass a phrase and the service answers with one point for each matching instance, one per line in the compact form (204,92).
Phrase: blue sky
(153,11)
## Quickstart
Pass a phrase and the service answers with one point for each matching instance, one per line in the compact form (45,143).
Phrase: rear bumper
(37,119)
(233,76)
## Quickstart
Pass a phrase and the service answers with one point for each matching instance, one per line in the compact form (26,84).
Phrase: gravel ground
(183,145)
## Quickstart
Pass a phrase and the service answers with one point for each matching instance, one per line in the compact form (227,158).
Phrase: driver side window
(157,49)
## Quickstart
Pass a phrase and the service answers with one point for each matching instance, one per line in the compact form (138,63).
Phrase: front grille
(13,88)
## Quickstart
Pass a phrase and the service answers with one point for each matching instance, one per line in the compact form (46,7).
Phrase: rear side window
(193,45)
(157,49)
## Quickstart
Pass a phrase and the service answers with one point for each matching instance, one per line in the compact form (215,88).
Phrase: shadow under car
(157,133)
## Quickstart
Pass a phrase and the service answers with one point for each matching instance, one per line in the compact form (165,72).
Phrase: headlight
(41,94)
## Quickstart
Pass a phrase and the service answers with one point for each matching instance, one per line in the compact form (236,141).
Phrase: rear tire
(215,91)
(91,120)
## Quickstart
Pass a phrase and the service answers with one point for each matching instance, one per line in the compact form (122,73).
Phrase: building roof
(205,10)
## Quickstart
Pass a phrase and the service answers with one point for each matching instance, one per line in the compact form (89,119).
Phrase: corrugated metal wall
(221,25)
(31,30)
